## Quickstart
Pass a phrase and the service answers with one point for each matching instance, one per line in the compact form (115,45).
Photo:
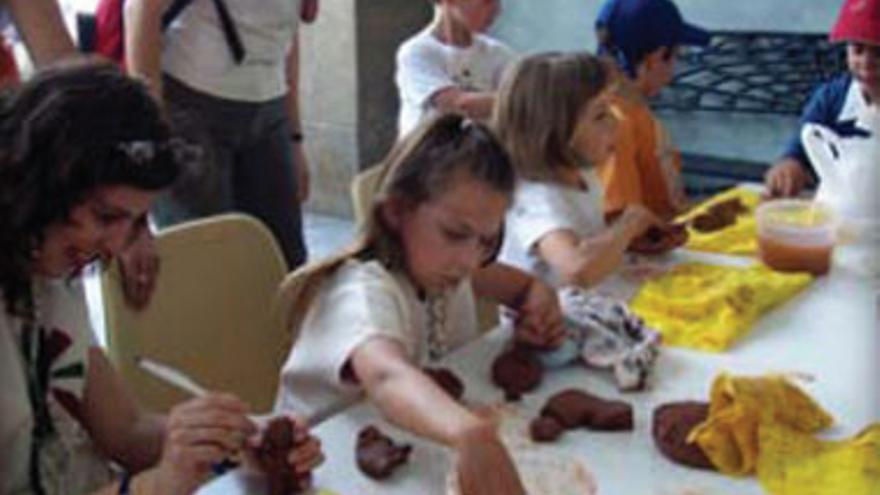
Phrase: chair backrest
(363,189)
(213,314)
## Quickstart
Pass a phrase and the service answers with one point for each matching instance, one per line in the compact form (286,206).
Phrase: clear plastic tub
(796,235)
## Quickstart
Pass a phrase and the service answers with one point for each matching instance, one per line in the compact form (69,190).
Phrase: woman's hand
(539,319)
(484,466)
(200,433)
(139,267)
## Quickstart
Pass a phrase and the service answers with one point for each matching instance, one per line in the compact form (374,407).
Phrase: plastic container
(796,235)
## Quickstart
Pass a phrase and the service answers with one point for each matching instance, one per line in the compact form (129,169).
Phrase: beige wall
(347,90)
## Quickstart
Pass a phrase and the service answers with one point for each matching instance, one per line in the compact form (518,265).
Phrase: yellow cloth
(765,425)
(741,238)
(795,463)
(739,405)
(709,307)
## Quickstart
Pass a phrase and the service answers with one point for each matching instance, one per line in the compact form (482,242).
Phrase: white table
(830,331)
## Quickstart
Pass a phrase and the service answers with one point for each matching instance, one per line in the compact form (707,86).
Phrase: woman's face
(596,130)
(863,60)
(444,240)
(98,227)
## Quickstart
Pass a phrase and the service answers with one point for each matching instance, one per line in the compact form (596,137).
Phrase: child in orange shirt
(642,36)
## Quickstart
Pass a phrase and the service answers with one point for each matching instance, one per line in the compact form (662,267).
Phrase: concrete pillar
(349,101)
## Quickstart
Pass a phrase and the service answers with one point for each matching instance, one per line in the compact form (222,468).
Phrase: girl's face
(596,130)
(447,238)
(863,60)
(100,226)
(477,15)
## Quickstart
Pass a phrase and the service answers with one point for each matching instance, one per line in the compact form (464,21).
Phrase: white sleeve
(505,57)
(421,73)
(538,209)
(363,303)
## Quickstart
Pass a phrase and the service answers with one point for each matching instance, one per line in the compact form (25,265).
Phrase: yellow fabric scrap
(709,307)
(739,405)
(795,463)
(741,238)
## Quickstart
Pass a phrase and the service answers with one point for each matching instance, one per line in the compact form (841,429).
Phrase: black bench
(753,72)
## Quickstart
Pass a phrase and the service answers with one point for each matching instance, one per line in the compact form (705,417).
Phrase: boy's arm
(472,104)
(42,28)
(143,41)
(792,172)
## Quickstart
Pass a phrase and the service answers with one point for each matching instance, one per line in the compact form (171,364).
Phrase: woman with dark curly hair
(83,152)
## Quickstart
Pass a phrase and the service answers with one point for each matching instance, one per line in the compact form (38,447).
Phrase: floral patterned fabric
(42,375)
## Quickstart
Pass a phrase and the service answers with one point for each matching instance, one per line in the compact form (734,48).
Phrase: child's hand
(483,466)
(539,319)
(285,451)
(636,220)
(785,179)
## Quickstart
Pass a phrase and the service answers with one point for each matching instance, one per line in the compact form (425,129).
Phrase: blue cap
(638,27)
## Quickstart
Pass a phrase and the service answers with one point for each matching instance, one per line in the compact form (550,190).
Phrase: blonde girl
(553,117)
(403,295)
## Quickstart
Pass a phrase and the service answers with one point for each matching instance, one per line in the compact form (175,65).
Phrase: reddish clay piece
(272,454)
(377,455)
(719,216)
(516,372)
(658,240)
(574,408)
(545,429)
(673,423)
(447,380)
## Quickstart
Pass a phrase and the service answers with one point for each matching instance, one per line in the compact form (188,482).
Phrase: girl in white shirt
(553,116)
(368,319)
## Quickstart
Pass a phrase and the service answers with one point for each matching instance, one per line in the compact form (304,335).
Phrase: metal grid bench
(752,72)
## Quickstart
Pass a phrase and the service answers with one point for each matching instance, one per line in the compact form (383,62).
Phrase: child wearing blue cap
(450,66)
(642,36)
(837,103)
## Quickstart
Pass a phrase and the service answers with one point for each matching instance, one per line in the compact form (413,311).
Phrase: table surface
(830,331)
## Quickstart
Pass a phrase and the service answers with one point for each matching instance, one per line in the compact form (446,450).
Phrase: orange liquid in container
(789,257)
(796,235)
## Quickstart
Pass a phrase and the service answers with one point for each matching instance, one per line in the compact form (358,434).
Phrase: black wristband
(296,137)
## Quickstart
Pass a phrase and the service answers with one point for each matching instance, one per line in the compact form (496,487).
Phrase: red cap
(859,20)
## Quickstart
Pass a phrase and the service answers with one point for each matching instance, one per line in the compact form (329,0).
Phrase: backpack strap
(227,23)
(173,11)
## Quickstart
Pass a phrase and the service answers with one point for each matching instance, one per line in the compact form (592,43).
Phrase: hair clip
(143,152)
(185,152)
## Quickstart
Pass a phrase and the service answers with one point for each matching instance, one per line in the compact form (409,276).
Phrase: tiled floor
(324,235)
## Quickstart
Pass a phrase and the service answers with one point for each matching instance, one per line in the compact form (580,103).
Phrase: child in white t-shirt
(450,66)
(554,118)
(403,295)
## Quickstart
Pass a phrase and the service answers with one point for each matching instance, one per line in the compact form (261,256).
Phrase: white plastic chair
(212,315)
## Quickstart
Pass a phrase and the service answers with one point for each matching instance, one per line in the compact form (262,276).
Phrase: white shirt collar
(855,103)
